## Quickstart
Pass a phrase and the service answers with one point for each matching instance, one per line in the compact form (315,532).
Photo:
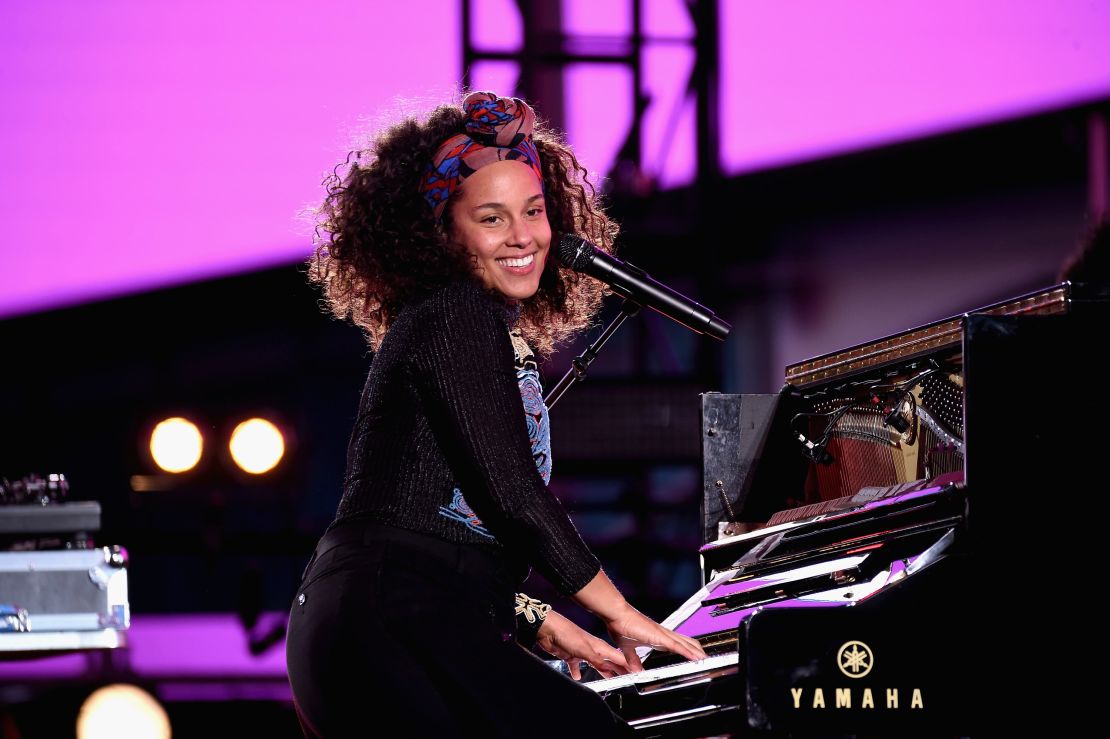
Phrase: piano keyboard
(678,675)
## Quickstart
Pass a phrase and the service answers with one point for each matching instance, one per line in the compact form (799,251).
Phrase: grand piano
(857,526)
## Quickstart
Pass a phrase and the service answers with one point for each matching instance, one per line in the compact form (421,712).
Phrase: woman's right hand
(630,629)
(562,638)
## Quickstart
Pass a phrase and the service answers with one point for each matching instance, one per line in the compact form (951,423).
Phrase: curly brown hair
(378,244)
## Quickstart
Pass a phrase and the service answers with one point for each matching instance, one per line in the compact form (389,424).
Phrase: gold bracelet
(533,610)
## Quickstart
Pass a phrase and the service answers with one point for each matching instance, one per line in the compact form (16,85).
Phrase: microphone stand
(577,371)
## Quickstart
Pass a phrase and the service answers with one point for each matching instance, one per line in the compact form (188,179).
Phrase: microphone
(633,283)
(816,451)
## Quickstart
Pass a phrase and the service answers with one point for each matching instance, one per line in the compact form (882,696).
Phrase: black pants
(402,634)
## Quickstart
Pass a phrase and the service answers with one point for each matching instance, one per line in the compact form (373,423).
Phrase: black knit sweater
(441,445)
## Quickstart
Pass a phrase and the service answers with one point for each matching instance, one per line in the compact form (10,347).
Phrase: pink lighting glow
(597,138)
(810,78)
(669,137)
(496,76)
(199,645)
(495,25)
(151,143)
(593,18)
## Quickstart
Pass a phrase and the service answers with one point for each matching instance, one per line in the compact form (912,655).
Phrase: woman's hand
(631,629)
(562,638)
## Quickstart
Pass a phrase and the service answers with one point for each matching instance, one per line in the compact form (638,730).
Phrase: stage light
(176,445)
(122,712)
(257,446)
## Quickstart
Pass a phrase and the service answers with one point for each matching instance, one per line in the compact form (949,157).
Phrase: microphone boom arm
(579,365)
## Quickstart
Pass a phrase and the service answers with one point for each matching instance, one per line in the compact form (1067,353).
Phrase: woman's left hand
(562,638)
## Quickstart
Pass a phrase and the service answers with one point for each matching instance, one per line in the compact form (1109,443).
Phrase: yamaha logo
(855,659)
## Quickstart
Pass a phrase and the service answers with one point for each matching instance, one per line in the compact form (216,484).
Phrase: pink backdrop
(144,144)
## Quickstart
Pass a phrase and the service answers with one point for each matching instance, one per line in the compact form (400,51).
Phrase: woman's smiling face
(499,217)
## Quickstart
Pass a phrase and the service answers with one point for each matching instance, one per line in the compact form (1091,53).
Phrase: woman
(437,242)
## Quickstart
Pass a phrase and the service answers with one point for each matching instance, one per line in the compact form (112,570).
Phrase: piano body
(840,595)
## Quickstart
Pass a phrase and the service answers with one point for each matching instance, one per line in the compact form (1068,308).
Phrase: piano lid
(919,341)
